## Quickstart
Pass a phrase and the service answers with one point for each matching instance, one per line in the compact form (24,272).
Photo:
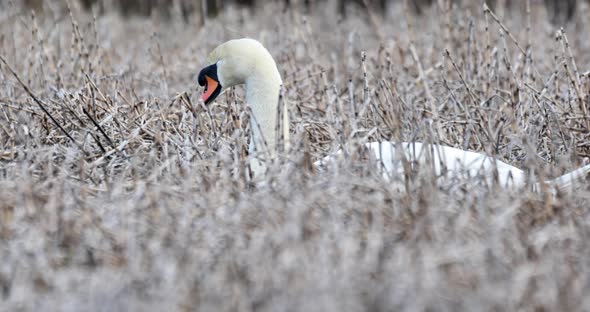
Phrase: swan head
(236,62)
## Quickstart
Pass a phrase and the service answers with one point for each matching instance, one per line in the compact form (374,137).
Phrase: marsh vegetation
(121,191)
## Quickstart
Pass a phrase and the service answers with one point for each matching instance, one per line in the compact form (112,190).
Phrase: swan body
(246,61)
(442,160)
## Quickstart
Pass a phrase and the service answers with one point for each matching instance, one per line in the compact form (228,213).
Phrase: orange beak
(210,87)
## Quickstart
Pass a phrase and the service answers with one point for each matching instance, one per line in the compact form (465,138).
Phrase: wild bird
(247,61)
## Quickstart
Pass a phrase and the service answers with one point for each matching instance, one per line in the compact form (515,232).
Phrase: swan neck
(262,97)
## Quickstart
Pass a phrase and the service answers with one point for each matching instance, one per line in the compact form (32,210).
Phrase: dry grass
(149,209)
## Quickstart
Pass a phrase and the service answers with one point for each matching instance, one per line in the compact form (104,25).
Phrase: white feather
(246,61)
(442,160)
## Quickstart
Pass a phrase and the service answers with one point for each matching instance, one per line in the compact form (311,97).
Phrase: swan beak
(208,79)
(212,88)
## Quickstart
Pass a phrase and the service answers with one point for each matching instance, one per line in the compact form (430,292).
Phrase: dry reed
(142,201)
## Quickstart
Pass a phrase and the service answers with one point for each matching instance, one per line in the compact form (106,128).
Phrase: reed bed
(121,191)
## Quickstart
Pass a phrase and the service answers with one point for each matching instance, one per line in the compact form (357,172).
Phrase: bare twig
(40,104)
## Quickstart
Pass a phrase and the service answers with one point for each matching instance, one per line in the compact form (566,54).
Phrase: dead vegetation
(135,198)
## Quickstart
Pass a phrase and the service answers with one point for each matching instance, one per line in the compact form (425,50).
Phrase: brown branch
(40,104)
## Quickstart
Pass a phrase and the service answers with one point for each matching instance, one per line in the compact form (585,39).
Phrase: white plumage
(246,61)
(444,161)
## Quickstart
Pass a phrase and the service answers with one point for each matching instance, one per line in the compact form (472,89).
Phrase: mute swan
(246,61)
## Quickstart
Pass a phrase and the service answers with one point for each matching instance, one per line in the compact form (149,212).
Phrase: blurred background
(559,11)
